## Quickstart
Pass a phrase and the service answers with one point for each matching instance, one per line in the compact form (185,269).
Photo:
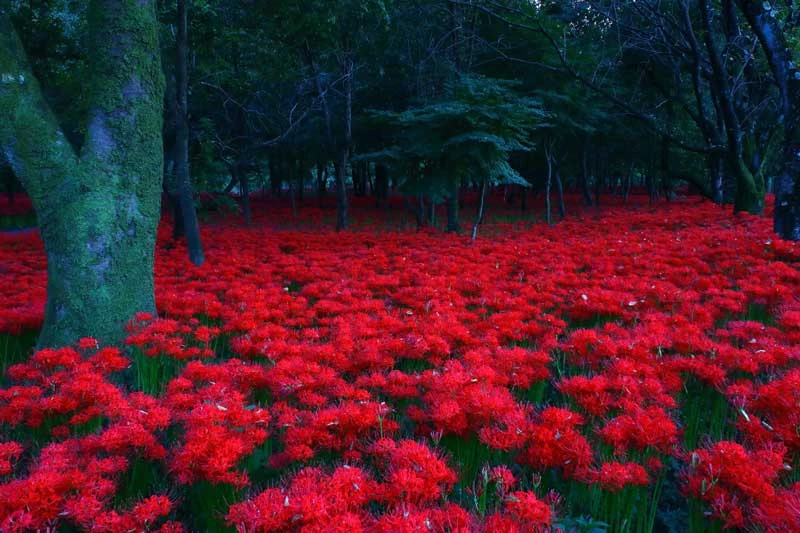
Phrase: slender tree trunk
(665,165)
(549,156)
(715,169)
(244,187)
(382,185)
(587,196)
(320,181)
(344,151)
(710,131)
(178,228)
(453,225)
(98,212)
(293,198)
(275,173)
(479,215)
(562,207)
(598,186)
(185,196)
(231,184)
(341,191)
(419,211)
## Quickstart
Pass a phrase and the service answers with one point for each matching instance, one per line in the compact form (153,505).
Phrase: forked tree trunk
(98,212)
(749,187)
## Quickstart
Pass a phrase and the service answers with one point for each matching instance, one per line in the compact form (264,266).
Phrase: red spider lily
(639,429)
(348,345)
(9,452)
(732,479)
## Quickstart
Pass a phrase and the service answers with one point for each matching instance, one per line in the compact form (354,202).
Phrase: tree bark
(562,207)
(274,174)
(382,185)
(453,225)
(547,185)
(344,150)
(244,189)
(97,213)
(587,195)
(191,227)
(786,74)
(749,192)
(479,214)
(321,180)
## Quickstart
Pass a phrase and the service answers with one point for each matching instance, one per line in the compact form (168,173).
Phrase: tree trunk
(300,171)
(382,185)
(715,169)
(320,181)
(587,196)
(598,187)
(98,212)
(344,151)
(178,229)
(244,188)
(479,215)
(190,225)
(293,198)
(562,207)
(749,197)
(341,191)
(231,184)
(418,209)
(665,165)
(786,74)
(547,185)
(274,174)
(453,225)
(749,188)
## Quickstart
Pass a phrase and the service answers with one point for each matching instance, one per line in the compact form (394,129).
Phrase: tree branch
(30,137)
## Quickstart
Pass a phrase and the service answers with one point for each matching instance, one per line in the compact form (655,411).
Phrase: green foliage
(469,135)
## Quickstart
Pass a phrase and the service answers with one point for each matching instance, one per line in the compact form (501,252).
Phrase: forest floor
(631,368)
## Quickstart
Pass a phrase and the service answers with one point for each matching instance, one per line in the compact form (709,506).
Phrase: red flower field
(634,369)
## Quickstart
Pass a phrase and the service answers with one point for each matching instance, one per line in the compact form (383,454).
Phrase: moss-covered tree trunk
(98,210)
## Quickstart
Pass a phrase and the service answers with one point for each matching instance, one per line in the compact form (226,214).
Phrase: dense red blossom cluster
(344,382)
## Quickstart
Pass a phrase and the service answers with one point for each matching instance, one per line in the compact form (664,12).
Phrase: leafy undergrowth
(634,370)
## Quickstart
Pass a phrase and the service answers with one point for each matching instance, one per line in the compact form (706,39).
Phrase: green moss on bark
(97,215)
